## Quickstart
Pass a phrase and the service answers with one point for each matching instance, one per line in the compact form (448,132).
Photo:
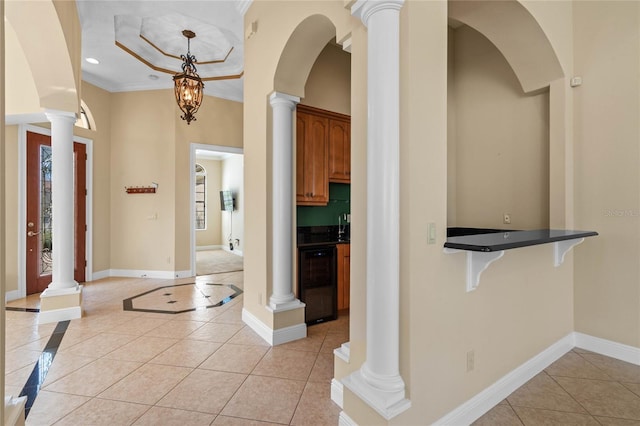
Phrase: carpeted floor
(217,261)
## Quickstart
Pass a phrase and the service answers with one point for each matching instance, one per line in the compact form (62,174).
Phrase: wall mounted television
(227,202)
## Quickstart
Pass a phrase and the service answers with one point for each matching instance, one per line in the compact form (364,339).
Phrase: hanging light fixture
(188,85)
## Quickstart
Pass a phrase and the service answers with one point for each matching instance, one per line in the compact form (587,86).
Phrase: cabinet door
(339,151)
(312,160)
(344,275)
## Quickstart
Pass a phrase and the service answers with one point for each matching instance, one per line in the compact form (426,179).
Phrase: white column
(62,207)
(282,297)
(378,382)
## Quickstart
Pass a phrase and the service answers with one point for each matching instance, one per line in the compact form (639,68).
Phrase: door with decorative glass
(39,246)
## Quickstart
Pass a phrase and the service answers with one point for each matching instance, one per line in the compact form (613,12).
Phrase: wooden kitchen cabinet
(344,273)
(339,150)
(312,159)
(323,153)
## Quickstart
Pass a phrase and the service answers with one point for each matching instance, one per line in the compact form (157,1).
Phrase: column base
(14,410)
(60,304)
(287,327)
(386,403)
(285,306)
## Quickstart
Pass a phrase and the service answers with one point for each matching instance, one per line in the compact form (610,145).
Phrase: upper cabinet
(339,151)
(323,153)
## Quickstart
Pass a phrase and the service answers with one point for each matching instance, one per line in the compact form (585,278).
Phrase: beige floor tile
(93,378)
(633,387)
(139,325)
(618,370)
(203,391)
(231,316)
(147,384)
(267,399)
(247,336)
(601,398)
(142,349)
(322,370)
(65,363)
(10,390)
(534,416)
(187,353)
(333,341)
(49,407)
(315,406)
(574,365)
(235,358)
(18,358)
(312,343)
(610,421)
(19,377)
(172,417)
(544,393)
(176,329)
(74,336)
(215,332)
(500,415)
(98,412)
(99,345)
(235,421)
(286,364)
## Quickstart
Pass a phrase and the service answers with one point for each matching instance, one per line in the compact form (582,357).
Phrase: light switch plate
(432,233)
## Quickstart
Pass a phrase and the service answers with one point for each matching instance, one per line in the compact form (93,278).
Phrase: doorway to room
(217,209)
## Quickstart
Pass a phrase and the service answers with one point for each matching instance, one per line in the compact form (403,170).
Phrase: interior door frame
(22,206)
(193,147)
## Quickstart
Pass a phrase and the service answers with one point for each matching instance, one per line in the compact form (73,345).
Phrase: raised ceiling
(218,25)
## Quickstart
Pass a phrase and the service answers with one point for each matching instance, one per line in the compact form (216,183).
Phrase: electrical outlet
(506,218)
(470,361)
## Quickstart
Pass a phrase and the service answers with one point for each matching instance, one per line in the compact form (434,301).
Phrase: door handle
(31,233)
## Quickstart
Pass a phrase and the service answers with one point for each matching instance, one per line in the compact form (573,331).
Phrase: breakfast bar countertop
(505,240)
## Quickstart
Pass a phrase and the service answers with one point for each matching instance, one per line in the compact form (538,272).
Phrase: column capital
(363,9)
(278,98)
(53,114)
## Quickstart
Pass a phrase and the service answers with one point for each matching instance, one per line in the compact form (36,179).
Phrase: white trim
(475,407)
(616,350)
(141,273)
(274,337)
(22,203)
(345,420)
(12,295)
(234,251)
(343,352)
(207,248)
(243,6)
(101,274)
(56,315)
(337,392)
(14,410)
(193,147)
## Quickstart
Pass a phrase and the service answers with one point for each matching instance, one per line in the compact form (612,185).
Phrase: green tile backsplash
(339,203)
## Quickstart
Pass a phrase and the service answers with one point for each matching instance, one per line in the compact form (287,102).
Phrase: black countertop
(505,240)
(309,236)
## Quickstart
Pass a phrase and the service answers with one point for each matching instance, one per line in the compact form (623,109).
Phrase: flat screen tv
(226,201)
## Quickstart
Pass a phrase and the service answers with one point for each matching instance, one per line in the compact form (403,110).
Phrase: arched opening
(499,156)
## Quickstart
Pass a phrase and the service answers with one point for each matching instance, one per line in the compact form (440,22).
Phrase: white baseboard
(139,273)
(608,348)
(345,420)
(234,251)
(206,248)
(274,337)
(12,295)
(14,410)
(57,315)
(100,275)
(343,352)
(337,392)
(474,408)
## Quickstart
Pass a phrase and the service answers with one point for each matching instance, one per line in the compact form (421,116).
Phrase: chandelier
(188,84)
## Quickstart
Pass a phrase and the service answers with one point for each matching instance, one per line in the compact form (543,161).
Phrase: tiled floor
(581,388)
(116,367)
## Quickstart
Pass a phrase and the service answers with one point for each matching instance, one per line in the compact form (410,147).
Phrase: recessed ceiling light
(93,61)
(153,77)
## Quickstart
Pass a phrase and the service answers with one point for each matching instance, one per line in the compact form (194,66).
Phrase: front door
(39,263)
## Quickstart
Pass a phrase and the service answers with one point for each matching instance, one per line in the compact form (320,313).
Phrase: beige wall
(233,180)
(607,131)
(212,235)
(329,83)
(500,139)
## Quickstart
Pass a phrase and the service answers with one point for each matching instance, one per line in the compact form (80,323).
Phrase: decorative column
(282,297)
(61,300)
(378,382)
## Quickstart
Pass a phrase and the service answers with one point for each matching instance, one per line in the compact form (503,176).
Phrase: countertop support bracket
(561,248)
(477,262)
